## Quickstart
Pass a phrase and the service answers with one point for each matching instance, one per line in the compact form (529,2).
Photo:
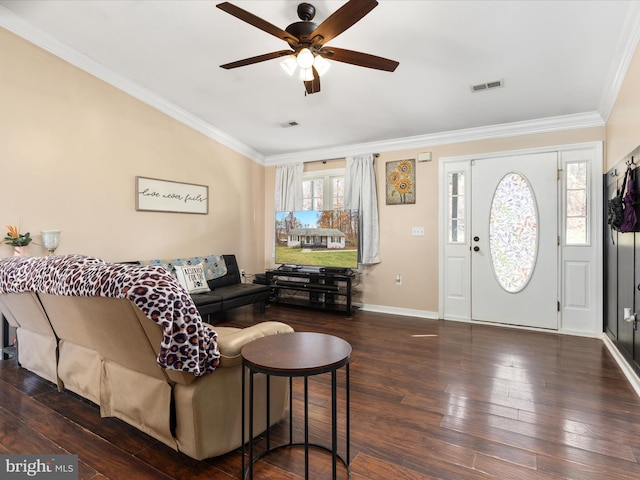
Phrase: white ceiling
(561,63)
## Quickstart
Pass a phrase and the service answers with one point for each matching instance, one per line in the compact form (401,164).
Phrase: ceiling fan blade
(359,58)
(257,22)
(313,86)
(257,59)
(342,19)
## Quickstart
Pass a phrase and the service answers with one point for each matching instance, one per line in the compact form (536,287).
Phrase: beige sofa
(24,312)
(106,350)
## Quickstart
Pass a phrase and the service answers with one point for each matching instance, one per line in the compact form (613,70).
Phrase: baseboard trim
(407,312)
(622,363)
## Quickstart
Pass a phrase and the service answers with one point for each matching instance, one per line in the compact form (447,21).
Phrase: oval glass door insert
(513,232)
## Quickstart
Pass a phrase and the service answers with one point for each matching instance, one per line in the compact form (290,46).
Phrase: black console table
(312,288)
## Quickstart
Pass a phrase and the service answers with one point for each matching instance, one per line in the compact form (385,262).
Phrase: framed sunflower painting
(401,182)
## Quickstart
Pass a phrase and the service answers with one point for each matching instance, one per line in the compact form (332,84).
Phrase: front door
(514,240)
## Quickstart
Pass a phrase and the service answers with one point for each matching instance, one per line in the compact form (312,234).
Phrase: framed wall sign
(154,195)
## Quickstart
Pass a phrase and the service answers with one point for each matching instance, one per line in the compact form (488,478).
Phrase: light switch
(417,231)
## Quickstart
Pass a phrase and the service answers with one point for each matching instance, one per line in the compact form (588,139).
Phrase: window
(323,190)
(312,194)
(338,192)
(456,208)
(576,204)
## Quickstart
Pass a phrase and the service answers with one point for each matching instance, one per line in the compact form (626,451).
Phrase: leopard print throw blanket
(188,345)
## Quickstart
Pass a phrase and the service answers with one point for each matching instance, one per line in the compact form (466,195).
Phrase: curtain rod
(375,155)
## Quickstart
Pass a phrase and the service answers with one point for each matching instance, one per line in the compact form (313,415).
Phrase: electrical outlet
(242,275)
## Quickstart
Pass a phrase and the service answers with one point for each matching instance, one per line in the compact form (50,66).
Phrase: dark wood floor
(429,399)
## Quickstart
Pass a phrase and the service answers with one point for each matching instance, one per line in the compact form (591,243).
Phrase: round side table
(298,354)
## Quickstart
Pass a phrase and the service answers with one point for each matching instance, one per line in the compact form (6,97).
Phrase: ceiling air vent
(486,86)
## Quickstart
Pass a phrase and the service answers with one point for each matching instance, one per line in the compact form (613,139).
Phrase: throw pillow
(192,278)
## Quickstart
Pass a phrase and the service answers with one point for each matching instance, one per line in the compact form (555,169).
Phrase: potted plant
(16,239)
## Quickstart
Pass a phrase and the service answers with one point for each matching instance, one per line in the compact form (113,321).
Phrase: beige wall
(416,258)
(71,147)
(623,125)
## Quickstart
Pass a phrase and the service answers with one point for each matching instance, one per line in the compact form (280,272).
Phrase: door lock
(476,248)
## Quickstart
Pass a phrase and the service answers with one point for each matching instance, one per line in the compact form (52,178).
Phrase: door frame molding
(593,321)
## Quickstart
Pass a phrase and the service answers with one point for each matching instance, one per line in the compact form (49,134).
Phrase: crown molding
(626,48)
(16,25)
(631,32)
(490,132)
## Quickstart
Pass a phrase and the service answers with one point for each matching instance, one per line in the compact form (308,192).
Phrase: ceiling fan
(307,41)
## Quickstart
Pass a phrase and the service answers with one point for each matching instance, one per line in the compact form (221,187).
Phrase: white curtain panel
(289,187)
(361,193)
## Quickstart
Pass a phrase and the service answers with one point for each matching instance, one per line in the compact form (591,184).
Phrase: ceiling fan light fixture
(305,58)
(306,74)
(306,39)
(321,65)
(289,64)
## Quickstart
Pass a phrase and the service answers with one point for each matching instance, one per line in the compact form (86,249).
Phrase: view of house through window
(323,190)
